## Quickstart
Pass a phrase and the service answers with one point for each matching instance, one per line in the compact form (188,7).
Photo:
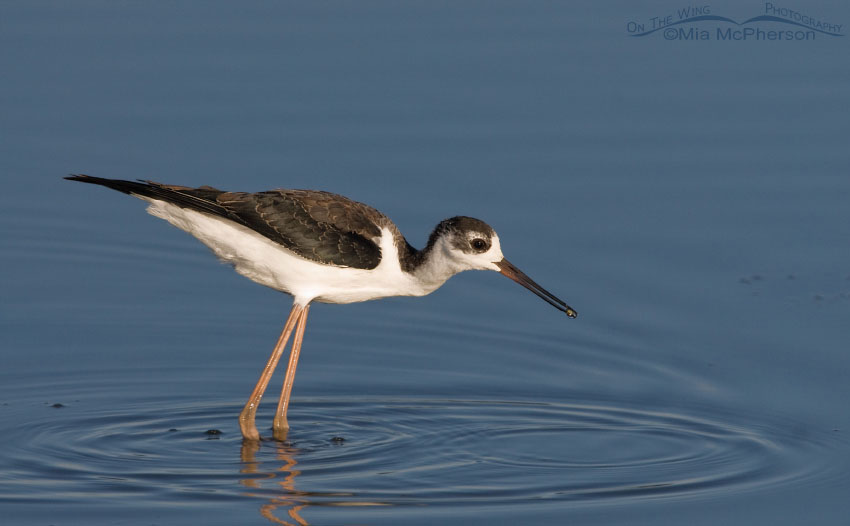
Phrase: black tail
(200,199)
(128,187)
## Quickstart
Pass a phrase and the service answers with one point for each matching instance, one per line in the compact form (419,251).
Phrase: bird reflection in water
(285,497)
(289,498)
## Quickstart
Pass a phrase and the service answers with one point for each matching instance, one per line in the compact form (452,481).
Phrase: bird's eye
(479,244)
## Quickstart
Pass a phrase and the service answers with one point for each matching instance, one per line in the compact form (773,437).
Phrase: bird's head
(467,243)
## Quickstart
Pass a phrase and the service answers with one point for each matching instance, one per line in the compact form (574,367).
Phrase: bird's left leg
(281,426)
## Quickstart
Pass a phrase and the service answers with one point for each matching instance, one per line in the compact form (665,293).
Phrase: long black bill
(507,268)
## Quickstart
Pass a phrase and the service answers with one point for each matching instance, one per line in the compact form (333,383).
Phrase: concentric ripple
(396,452)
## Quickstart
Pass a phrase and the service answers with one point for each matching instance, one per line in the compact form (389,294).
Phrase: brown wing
(320,226)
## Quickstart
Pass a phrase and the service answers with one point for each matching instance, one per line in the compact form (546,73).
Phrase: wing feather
(320,226)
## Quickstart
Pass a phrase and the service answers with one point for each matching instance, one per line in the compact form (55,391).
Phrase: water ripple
(408,451)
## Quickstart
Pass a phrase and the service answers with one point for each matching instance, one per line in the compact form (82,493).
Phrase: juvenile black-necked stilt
(319,246)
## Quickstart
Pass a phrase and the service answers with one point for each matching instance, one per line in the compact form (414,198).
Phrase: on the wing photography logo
(700,22)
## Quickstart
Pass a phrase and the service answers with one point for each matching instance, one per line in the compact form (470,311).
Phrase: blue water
(688,198)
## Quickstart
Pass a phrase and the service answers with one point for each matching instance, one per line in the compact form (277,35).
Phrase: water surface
(689,199)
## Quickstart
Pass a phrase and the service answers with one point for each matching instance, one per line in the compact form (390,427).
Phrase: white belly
(268,263)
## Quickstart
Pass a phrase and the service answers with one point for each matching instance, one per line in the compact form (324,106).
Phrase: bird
(321,247)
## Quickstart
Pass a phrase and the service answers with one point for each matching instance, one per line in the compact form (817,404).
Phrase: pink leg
(249,412)
(281,426)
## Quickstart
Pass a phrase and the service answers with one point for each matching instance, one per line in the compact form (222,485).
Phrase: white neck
(437,267)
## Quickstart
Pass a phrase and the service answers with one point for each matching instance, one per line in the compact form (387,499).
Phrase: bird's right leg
(249,412)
